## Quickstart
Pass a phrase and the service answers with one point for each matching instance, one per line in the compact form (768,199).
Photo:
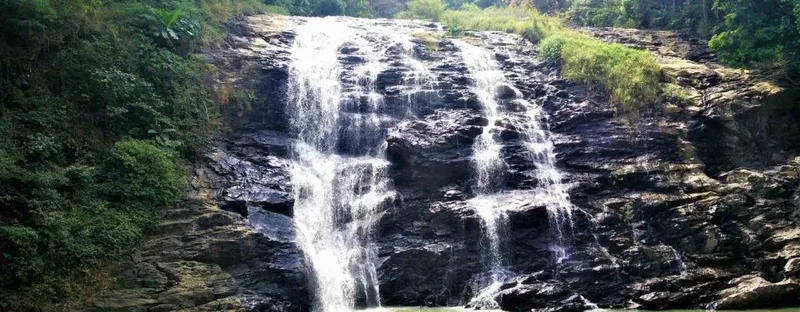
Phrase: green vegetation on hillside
(359,8)
(630,76)
(100,104)
(759,33)
(744,33)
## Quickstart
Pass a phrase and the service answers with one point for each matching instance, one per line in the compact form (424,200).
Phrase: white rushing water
(338,172)
(338,198)
(487,76)
(339,168)
(551,189)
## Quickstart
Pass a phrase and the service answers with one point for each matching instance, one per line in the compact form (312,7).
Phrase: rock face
(692,206)
(203,258)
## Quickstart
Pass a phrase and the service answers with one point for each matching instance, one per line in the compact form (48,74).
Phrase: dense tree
(696,16)
(760,32)
(742,32)
(100,103)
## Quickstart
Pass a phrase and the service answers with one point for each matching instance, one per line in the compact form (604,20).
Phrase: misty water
(339,169)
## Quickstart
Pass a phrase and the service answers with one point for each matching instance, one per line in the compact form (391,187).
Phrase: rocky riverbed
(693,204)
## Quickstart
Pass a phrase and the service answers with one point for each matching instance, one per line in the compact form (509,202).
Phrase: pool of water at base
(461,309)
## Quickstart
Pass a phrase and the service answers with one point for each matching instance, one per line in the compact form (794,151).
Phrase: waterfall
(551,190)
(487,77)
(338,167)
(489,167)
(492,87)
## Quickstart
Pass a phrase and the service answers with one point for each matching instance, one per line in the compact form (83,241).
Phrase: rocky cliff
(694,204)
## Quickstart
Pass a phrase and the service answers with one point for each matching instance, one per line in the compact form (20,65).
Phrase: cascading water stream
(551,190)
(489,82)
(338,197)
(339,166)
(339,169)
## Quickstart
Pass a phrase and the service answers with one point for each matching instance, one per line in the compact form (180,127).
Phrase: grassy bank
(630,76)
(102,103)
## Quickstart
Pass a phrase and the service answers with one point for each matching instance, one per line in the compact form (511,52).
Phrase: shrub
(275,9)
(470,7)
(427,9)
(530,23)
(80,216)
(629,76)
(330,7)
(550,49)
(91,139)
(141,176)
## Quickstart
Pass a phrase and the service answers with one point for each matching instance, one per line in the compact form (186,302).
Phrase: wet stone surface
(663,216)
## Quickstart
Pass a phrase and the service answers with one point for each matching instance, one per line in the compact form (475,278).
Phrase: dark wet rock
(433,261)
(436,150)
(540,297)
(505,91)
(677,209)
(750,292)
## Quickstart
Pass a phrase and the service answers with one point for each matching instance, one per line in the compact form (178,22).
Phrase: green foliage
(426,9)
(469,7)
(744,33)
(630,76)
(276,9)
(358,8)
(550,49)
(530,23)
(99,102)
(693,16)
(455,30)
(674,93)
(330,7)
(81,215)
(169,18)
(600,13)
(142,174)
(758,33)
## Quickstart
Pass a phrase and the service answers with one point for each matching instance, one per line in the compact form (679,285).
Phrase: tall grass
(529,23)
(629,76)
(93,142)
(426,9)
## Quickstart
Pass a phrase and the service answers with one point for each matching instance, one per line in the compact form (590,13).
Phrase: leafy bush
(82,215)
(630,76)
(755,33)
(470,7)
(330,7)
(529,23)
(455,30)
(142,175)
(276,9)
(427,9)
(99,101)
(550,49)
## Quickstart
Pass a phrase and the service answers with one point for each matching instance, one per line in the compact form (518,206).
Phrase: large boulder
(751,292)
